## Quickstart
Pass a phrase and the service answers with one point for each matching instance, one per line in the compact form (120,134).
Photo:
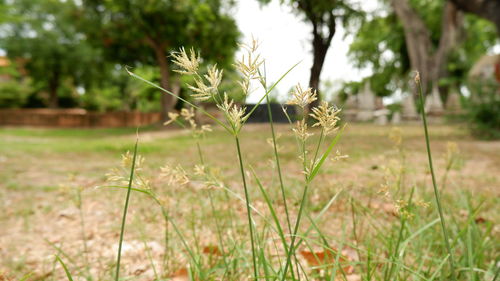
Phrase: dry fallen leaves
(180,275)
(212,250)
(326,259)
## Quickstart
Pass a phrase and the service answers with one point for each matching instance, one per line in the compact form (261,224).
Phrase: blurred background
(62,62)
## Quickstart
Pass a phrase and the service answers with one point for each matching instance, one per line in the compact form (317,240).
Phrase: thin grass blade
(68,274)
(125,209)
(317,167)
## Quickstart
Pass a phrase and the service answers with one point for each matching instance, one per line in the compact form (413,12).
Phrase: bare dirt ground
(41,172)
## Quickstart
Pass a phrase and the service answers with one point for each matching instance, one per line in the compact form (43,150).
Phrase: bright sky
(285,40)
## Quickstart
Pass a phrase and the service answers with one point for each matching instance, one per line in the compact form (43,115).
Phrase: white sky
(285,40)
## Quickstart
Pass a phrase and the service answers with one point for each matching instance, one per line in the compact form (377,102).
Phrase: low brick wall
(74,118)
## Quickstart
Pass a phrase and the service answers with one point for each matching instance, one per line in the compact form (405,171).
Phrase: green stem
(400,238)
(317,148)
(301,208)
(218,228)
(278,165)
(436,192)
(125,209)
(247,201)
(199,153)
(295,230)
(280,176)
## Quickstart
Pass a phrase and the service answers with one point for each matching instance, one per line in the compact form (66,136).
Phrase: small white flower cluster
(176,176)
(121,175)
(189,116)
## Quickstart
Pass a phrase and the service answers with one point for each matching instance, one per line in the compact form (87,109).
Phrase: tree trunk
(319,54)
(167,101)
(53,87)
(320,45)
(451,23)
(431,64)
(488,9)
(417,38)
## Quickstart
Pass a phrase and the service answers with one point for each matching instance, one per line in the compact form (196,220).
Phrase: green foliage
(483,109)
(479,37)
(137,32)
(83,45)
(42,34)
(14,89)
(349,89)
(121,93)
(129,29)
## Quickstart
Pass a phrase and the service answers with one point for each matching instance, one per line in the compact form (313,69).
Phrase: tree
(425,57)
(40,33)
(14,87)
(488,9)
(427,41)
(136,32)
(323,16)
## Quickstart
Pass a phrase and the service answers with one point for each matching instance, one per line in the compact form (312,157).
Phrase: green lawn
(42,172)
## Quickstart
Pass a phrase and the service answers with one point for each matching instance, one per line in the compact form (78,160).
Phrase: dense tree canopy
(136,32)
(39,34)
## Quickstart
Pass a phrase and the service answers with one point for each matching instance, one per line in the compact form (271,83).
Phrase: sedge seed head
(301,131)
(201,91)
(417,77)
(234,113)
(248,65)
(188,64)
(326,117)
(214,77)
(187,114)
(339,156)
(302,97)
(172,117)
(175,176)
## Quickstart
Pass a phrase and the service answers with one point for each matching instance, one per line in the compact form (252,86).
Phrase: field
(54,200)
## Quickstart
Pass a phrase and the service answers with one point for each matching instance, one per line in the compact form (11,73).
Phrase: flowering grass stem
(434,185)
(247,203)
(278,168)
(125,209)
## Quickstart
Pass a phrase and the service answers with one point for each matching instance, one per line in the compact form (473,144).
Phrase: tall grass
(125,210)
(434,185)
(394,240)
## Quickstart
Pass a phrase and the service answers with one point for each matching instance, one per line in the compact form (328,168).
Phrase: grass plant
(285,221)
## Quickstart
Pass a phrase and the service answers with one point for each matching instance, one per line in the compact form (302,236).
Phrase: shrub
(483,110)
